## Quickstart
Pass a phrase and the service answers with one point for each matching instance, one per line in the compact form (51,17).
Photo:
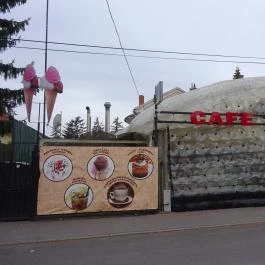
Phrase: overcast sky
(208,26)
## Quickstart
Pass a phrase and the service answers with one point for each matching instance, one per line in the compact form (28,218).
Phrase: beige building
(143,106)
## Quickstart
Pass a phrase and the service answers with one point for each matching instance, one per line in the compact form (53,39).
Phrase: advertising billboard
(79,179)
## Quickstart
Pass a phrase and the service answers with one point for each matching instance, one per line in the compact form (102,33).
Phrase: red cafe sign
(229,118)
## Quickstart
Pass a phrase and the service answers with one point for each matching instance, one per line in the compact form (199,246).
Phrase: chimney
(193,86)
(107,116)
(141,100)
(88,120)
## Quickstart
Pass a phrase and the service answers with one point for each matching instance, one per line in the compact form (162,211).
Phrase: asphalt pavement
(67,229)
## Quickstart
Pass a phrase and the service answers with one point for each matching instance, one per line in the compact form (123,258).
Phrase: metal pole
(156,130)
(169,162)
(45,65)
(35,170)
(61,124)
(38,139)
(155,123)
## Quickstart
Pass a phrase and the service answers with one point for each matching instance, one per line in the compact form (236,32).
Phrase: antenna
(159,92)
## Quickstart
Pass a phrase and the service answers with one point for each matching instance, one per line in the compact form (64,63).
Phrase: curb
(148,232)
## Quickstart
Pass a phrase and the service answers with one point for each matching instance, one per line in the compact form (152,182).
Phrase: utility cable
(142,56)
(128,65)
(141,50)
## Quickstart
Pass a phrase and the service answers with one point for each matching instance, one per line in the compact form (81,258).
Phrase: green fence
(24,140)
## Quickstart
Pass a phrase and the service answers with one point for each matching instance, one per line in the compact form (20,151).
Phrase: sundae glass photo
(101,164)
(100,167)
(78,196)
(79,199)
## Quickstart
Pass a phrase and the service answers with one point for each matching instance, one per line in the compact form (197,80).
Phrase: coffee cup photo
(120,195)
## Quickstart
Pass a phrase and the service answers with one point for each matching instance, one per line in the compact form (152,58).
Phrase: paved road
(87,227)
(240,244)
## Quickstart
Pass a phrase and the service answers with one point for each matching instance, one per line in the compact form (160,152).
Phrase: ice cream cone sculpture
(31,84)
(52,84)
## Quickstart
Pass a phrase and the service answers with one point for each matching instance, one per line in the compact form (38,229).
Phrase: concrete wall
(217,166)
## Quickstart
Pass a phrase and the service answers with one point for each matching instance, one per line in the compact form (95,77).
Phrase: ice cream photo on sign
(100,167)
(52,84)
(30,83)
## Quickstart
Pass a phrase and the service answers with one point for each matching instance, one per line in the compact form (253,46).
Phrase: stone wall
(217,166)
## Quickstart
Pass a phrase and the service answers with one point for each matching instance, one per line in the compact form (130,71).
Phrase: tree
(10,98)
(74,128)
(97,132)
(98,127)
(237,74)
(116,125)
(55,133)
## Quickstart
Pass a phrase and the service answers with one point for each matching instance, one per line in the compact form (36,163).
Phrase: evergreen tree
(97,127)
(97,132)
(10,98)
(55,133)
(74,128)
(237,74)
(116,125)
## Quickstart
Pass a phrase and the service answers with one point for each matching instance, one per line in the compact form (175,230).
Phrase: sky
(202,27)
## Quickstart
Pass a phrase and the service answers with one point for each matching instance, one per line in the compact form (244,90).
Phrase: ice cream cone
(28,95)
(50,96)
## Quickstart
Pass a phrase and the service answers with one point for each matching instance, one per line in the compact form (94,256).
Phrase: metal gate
(19,170)
(18,189)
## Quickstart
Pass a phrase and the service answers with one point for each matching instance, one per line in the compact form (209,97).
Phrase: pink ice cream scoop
(34,82)
(101,163)
(53,85)
(52,75)
(29,73)
(58,87)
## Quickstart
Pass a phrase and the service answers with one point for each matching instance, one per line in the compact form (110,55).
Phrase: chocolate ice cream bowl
(101,163)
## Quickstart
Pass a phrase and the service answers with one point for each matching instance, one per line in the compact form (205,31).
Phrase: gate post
(35,183)
(163,172)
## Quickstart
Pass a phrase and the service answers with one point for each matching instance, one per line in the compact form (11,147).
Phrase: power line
(142,50)
(128,65)
(142,56)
